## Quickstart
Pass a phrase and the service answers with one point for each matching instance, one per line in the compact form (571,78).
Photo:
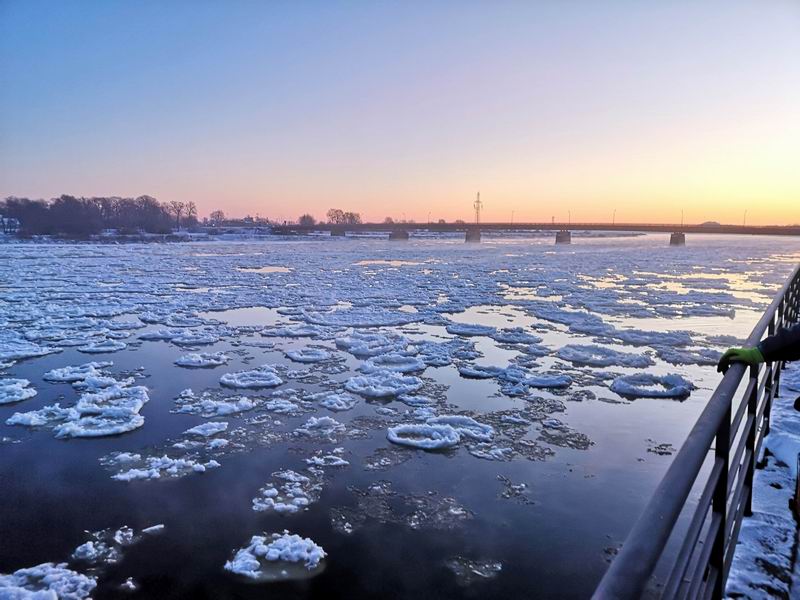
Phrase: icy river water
(352,418)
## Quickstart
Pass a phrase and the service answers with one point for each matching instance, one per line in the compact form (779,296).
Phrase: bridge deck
(628,227)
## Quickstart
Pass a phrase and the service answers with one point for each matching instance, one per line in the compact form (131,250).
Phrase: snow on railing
(726,440)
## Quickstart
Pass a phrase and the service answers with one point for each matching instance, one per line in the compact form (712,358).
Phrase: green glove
(749,356)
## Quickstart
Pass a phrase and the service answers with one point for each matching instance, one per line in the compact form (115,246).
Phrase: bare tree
(216,217)
(335,216)
(307,220)
(352,218)
(388,221)
(177,209)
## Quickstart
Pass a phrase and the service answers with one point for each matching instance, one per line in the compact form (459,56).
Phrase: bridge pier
(677,239)
(473,235)
(563,237)
(398,235)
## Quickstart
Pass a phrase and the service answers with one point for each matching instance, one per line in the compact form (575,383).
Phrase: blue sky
(280,107)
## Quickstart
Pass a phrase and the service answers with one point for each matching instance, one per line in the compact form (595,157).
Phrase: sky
(631,109)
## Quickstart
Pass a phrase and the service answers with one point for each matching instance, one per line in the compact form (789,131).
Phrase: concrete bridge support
(473,236)
(677,239)
(563,237)
(398,235)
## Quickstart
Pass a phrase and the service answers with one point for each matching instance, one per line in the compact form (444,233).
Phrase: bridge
(340,229)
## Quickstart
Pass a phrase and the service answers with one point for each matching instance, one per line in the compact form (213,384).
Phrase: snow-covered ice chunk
(102,347)
(465,426)
(12,350)
(72,374)
(334,401)
(304,330)
(469,330)
(320,427)
(599,356)
(424,436)
(193,338)
(159,334)
(364,345)
(282,549)
(153,529)
(15,390)
(645,385)
(292,493)
(212,405)
(399,363)
(361,317)
(110,411)
(157,467)
(383,384)
(688,356)
(203,360)
(208,429)
(308,355)
(515,335)
(262,377)
(479,371)
(47,581)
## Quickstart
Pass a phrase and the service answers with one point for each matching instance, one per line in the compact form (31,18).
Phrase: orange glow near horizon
(548,109)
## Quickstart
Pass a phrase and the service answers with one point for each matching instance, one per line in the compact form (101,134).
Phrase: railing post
(752,408)
(719,503)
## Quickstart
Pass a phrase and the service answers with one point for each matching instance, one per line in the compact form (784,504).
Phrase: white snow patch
(645,385)
(15,390)
(208,429)
(202,360)
(262,377)
(383,384)
(276,548)
(47,581)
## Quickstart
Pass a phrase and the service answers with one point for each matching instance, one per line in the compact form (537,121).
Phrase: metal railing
(726,440)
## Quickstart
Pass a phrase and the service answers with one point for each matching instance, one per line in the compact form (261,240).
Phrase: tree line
(73,216)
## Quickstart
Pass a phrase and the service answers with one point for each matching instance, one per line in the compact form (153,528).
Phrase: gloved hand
(749,356)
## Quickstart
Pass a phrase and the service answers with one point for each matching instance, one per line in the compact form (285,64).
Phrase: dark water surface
(553,541)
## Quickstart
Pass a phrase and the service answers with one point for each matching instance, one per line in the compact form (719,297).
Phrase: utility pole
(614,217)
(512,217)
(478,205)
(744,221)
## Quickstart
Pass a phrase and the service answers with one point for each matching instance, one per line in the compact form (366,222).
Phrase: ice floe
(291,493)
(424,436)
(47,581)
(383,384)
(102,347)
(203,360)
(210,404)
(73,374)
(262,377)
(158,467)
(646,385)
(364,345)
(268,557)
(336,402)
(15,390)
(399,363)
(599,356)
(468,330)
(308,355)
(208,429)
(110,411)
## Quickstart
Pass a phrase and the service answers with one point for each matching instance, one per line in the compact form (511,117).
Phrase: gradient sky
(406,108)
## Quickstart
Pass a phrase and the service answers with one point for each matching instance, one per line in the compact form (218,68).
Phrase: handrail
(701,567)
